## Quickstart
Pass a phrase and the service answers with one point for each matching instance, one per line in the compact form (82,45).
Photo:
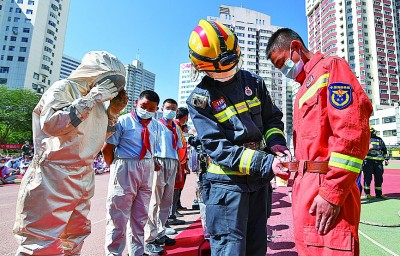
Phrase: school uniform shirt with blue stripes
(127,138)
(166,149)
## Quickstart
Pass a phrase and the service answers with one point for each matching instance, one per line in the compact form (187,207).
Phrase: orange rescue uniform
(331,123)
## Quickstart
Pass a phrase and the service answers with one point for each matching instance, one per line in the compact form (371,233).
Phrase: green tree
(16,108)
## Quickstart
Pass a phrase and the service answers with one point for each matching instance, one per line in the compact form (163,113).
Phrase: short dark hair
(282,39)
(182,112)
(150,95)
(172,101)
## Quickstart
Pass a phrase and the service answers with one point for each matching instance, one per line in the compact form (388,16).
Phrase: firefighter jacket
(331,123)
(230,114)
(379,151)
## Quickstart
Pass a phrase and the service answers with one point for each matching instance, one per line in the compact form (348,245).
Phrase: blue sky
(159,30)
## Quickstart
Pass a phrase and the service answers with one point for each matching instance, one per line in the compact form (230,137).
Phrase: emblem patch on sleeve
(219,104)
(340,95)
(199,101)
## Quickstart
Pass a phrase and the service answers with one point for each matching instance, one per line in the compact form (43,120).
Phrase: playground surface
(379,230)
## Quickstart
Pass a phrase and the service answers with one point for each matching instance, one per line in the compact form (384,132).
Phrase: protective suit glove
(100,93)
(103,92)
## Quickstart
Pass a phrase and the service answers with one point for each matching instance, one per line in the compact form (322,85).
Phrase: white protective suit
(70,125)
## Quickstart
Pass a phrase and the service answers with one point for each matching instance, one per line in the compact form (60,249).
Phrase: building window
(20,1)
(48,40)
(46,58)
(389,133)
(4,70)
(52,23)
(22,49)
(21,59)
(16,19)
(45,67)
(389,119)
(31,2)
(10,58)
(13,38)
(17,10)
(27,20)
(29,11)
(36,76)
(24,39)
(5,38)
(11,48)
(26,30)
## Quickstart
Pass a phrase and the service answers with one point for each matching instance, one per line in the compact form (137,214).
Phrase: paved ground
(94,244)
(279,225)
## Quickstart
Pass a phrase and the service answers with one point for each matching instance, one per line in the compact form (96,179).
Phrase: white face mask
(2,165)
(227,75)
(143,113)
(224,79)
(290,69)
(169,114)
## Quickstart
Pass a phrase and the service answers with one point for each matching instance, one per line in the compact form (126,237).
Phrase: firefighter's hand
(279,170)
(386,162)
(326,214)
(281,151)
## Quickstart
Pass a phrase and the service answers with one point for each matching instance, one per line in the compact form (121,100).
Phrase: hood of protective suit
(96,66)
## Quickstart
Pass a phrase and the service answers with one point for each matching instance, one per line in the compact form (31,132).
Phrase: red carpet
(187,242)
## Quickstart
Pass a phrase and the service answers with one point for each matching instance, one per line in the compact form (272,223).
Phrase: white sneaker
(170,231)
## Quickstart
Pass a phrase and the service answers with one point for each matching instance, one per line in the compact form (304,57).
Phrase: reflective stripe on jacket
(228,115)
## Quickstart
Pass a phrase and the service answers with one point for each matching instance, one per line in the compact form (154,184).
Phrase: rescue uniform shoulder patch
(199,101)
(340,95)
(219,104)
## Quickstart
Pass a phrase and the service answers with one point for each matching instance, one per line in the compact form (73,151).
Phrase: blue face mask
(143,113)
(290,69)
(169,114)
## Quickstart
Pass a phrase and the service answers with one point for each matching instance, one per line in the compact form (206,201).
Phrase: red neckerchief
(145,134)
(173,129)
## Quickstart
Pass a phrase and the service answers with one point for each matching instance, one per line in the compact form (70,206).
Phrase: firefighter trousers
(369,168)
(236,219)
(342,239)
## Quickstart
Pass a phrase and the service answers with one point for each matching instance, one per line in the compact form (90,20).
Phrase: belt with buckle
(309,166)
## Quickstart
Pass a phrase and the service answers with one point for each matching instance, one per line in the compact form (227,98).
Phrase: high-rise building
(253,30)
(186,86)
(32,34)
(138,79)
(364,33)
(68,64)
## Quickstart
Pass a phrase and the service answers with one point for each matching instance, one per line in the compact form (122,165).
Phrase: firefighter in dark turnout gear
(235,119)
(373,165)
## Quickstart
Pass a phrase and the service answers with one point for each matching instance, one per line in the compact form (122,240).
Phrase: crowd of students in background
(13,167)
